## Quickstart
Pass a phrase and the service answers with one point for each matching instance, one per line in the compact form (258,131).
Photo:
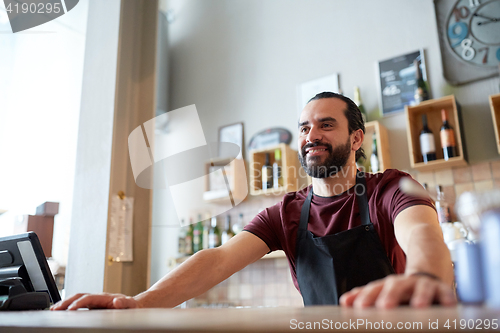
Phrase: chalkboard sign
(397,80)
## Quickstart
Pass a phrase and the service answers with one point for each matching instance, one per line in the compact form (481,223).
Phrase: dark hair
(352,113)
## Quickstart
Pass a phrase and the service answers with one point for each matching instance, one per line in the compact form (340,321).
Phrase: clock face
(473,31)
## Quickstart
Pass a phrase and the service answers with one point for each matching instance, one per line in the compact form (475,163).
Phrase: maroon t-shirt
(277,225)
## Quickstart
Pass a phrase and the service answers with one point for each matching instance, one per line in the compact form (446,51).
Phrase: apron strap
(364,212)
(304,213)
(362,203)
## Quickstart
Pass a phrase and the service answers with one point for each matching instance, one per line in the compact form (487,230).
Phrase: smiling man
(351,238)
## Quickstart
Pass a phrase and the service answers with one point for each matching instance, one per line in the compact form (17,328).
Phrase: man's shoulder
(388,175)
(299,195)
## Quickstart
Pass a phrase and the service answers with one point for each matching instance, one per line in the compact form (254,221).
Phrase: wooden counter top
(280,319)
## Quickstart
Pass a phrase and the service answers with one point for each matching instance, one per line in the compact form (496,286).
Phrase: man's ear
(357,138)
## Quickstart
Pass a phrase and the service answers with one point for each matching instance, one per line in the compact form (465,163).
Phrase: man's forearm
(192,278)
(428,253)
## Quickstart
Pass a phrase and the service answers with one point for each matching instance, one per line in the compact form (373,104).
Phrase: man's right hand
(96,301)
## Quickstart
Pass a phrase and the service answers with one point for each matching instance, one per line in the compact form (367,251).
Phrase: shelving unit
(495,114)
(292,173)
(384,157)
(432,108)
(234,172)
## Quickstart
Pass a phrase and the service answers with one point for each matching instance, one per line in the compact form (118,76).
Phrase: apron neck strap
(360,194)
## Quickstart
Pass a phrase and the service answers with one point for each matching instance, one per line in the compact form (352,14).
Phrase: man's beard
(334,162)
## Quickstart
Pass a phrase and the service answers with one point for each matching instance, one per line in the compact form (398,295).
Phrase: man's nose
(313,135)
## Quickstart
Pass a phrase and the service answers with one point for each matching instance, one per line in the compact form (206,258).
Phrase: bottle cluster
(446,135)
(206,234)
(272,174)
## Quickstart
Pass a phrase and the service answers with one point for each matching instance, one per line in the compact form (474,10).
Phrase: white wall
(242,60)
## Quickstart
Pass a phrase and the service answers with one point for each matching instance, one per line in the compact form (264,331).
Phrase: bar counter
(280,319)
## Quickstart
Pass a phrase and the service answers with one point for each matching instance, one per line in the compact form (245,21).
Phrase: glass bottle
(374,163)
(359,103)
(267,174)
(189,239)
(198,236)
(214,234)
(421,92)
(277,175)
(447,135)
(427,144)
(228,232)
(442,206)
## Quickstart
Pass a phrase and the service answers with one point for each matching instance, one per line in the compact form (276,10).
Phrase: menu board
(397,79)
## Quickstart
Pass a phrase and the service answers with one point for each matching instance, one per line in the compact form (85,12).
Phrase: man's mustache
(315,144)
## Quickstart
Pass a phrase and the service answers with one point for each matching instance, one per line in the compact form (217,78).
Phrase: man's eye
(303,130)
(327,125)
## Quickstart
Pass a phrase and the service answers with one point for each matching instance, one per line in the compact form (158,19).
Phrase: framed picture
(397,81)
(309,89)
(231,133)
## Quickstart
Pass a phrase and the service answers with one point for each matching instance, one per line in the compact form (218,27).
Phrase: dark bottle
(421,93)
(267,174)
(447,135)
(374,162)
(427,144)
(228,233)
(189,239)
(198,236)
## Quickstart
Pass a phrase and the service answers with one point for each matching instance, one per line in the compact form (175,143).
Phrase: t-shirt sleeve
(395,200)
(266,226)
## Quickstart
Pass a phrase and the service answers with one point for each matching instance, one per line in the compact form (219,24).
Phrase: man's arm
(196,275)
(419,235)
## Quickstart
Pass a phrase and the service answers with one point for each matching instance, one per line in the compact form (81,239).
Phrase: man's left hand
(418,291)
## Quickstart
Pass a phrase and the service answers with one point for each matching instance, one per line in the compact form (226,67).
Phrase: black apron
(329,266)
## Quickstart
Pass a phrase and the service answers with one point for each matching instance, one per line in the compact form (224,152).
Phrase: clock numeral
(474,3)
(468,52)
(463,31)
(461,13)
(487,49)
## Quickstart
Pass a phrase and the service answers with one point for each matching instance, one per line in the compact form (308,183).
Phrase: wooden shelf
(495,114)
(235,173)
(292,173)
(384,157)
(432,108)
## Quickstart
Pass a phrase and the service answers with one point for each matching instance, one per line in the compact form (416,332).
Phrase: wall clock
(469,37)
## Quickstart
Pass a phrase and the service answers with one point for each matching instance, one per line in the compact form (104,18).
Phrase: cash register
(26,282)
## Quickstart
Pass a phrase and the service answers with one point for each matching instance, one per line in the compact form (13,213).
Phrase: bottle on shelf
(206,230)
(427,144)
(182,239)
(228,232)
(198,236)
(277,175)
(421,92)
(442,206)
(189,239)
(267,174)
(359,103)
(214,235)
(447,135)
(374,163)
(238,226)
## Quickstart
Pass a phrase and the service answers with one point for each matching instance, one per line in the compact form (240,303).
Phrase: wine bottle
(206,231)
(198,236)
(239,225)
(189,239)
(374,156)
(267,174)
(213,234)
(359,103)
(228,232)
(277,177)
(427,144)
(442,206)
(421,92)
(182,239)
(447,135)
